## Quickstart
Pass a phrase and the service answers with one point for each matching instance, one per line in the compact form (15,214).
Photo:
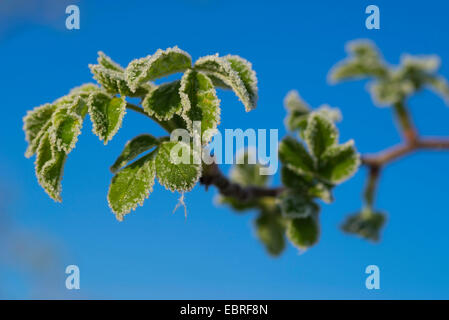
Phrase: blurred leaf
(339,162)
(320,134)
(247,174)
(303,233)
(293,155)
(270,230)
(364,61)
(365,224)
(296,205)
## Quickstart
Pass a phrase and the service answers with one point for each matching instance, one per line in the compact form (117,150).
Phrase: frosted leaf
(320,134)
(236,73)
(441,87)
(133,148)
(107,62)
(247,174)
(294,102)
(364,61)
(200,103)
(176,177)
(333,114)
(132,185)
(366,224)
(303,232)
(248,76)
(35,124)
(296,205)
(429,64)
(295,156)
(163,101)
(50,167)
(271,231)
(66,123)
(106,114)
(339,162)
(160,64)
(114,82)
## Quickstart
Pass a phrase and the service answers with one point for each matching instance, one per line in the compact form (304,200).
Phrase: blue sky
(213,254)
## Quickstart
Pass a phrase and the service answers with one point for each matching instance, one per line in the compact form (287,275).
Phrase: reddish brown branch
(384,157)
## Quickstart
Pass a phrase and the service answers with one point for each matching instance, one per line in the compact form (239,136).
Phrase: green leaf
(295,205)
(163,101)
(303,233)
(237,205)
(35,124)
(82,91)
(366,224)
(339,163)
(333,114)
(174,175)
(107,62)
(440,86)
(114,82)
(320,134)
(297,110)
(292,180)
(364,61)
(295,156)
(49,167)
(106,113)
(132,185)
(162,63)
(248,76)
(390,90)
(235,73)
(66,125)
(200,103)
(247,174)
(321,191)
(270,230)
(133,148)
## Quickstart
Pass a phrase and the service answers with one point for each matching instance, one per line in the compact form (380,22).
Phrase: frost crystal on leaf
(50,167)
(106,113)
(36,122)
(66,125)
(176,176)
(132,185)
(236,73)
(340,162)
(163,101)
(199,103)
(162,63)
(320,134)
(133,148)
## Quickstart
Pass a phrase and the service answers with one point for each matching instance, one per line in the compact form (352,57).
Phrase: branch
(384,157)
(213,176)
